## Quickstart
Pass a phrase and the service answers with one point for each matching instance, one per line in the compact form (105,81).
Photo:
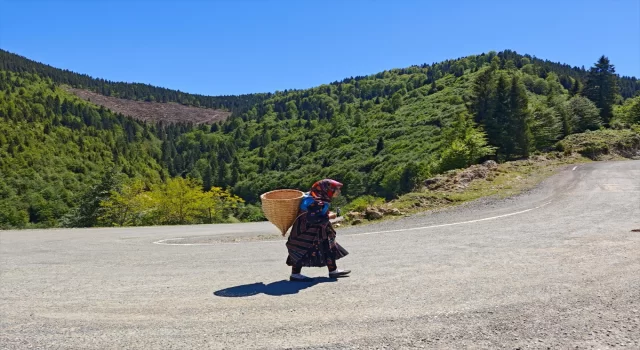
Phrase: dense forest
(381,135)
(61,158)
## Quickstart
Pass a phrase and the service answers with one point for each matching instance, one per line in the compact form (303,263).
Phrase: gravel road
(557,267)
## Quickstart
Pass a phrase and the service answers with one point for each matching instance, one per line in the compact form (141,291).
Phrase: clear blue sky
(241,46)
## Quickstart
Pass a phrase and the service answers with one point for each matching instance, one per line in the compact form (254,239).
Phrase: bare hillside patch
(153,111)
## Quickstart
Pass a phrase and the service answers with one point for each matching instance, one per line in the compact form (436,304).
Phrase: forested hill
(63,159)
(628,86)
(380,135)
(132,91)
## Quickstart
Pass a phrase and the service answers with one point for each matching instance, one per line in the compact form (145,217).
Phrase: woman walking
(312,241)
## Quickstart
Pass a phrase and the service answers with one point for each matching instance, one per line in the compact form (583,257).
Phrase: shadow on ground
(278,288)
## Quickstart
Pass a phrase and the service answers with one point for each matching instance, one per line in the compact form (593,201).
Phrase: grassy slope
(347,149)
(511,178)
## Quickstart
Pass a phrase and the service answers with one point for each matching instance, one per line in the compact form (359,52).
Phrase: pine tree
(314,145)
(380,145)
(207,178)
(499,124)
(481,105)
(602,87)
(520,118)
(178,164)
(576,88)
(222,174)
(235,171)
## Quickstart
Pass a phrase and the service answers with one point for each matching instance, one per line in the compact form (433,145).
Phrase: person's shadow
(278,288)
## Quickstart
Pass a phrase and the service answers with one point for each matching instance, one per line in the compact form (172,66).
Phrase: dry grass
(464,185)
(503,181)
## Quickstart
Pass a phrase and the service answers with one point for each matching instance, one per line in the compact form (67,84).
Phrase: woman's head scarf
(323,190)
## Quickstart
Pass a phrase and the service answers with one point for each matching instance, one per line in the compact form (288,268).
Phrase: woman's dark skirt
(313,244)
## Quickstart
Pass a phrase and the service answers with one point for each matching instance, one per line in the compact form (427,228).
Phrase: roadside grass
(510,178)
(506,180)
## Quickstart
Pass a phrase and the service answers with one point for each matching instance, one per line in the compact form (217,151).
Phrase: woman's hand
(332,215)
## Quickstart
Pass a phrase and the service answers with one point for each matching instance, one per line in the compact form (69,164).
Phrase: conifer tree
(498,124)
(520,118)
(602,87)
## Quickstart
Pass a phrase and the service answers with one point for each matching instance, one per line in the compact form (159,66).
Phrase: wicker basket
(281,207)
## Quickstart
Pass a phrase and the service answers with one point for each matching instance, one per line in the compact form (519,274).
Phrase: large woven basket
(280,207)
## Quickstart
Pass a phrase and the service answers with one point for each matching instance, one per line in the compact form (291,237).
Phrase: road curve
(558,267)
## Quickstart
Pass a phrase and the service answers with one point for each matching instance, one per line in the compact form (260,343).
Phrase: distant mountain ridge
(134,91)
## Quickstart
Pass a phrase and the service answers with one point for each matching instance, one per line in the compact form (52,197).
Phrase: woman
(313,240)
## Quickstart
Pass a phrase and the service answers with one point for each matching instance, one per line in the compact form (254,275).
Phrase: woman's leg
(331,264)
(296,275)
(333,268)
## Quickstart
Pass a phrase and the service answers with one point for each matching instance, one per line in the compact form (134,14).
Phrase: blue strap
(308,200)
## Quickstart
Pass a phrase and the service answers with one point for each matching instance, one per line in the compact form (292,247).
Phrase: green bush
(249,212)
(12,217)
(361,203)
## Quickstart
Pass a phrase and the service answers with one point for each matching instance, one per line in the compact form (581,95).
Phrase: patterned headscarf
(323,190)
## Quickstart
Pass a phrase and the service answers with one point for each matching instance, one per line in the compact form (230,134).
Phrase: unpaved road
(558,267)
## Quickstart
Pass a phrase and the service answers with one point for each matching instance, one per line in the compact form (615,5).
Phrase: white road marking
(163,241)
(455,223)
(574,168)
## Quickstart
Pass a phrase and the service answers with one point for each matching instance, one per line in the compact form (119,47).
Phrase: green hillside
(380,134)
(53,146)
